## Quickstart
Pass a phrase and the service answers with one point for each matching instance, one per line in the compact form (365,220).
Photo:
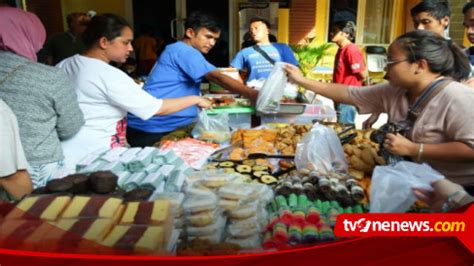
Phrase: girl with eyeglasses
(442,134)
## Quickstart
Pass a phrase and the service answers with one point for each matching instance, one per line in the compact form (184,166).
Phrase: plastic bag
(268,101)
(320,150)
(391,189)
(213,128)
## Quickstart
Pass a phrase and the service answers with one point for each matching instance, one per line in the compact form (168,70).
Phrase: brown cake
(138,194)
(59,185)
(103,182)
(80,183)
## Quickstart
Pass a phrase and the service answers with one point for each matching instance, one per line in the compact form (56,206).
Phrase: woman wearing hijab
(41,97)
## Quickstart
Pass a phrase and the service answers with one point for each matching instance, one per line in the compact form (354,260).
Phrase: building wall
(49,13)
(456,30)
(302,20)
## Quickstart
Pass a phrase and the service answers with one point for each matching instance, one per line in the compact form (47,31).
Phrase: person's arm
(337,92)
(454,151)
(367,124)
(14,178)
(69,116)
(18,184)
(362,75)
(232,85)
(174,105)
(445,193)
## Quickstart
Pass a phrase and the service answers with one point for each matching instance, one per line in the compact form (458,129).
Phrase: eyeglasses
(394,62)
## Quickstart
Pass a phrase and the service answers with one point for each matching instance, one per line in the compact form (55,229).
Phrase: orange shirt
(145,47)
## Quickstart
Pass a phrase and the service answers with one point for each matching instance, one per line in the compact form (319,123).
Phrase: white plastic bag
(213,128)
(320,150)
(391,189)
(268,101)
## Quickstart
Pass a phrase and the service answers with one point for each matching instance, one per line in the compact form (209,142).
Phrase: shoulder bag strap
(426,97)
(264,54)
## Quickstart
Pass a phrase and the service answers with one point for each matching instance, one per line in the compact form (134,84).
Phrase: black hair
(347,27)
(259,19)
(200,19)
(443,56)
(109,26)
(436,8)
(73,16)
(467,7)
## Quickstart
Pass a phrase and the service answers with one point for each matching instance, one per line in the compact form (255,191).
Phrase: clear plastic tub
(311,112)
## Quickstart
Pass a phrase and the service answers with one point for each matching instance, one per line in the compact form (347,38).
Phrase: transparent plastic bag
(214,128)
(268,101)
(391,188)
(201,203)
(320,150)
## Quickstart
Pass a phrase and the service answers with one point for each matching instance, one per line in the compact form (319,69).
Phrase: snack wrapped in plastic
(244,228)
(208,229)
(251,242)
(196,204)
(203,218)
(235,191)
(228,205)
(244,211)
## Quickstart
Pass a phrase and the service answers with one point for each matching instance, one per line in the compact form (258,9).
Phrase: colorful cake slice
(23,234)
(94,207)
(156,212)
(78,235)
(91,229)
(45,207)
(136,238)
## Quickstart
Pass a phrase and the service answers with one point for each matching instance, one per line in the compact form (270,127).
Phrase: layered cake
(94,207)
(78,235)
(46,207)
(156,212)
(136,238)
(91,229)
(23,234)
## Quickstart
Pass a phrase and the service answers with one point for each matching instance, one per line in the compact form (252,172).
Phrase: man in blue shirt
(258,59)
(179,72)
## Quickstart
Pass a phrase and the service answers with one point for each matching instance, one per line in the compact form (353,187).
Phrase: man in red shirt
(349,66)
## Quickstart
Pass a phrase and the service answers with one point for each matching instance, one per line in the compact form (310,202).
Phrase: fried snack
(367,157)
(356,174)
(237,154)
(359,164)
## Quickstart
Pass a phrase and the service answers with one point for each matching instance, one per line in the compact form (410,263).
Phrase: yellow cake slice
(136,238)
(23,234)
(155,212)
(45,207)
(94,230)
(94,207)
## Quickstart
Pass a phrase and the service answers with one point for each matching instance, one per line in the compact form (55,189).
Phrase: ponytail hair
(109,26)
(443,56)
